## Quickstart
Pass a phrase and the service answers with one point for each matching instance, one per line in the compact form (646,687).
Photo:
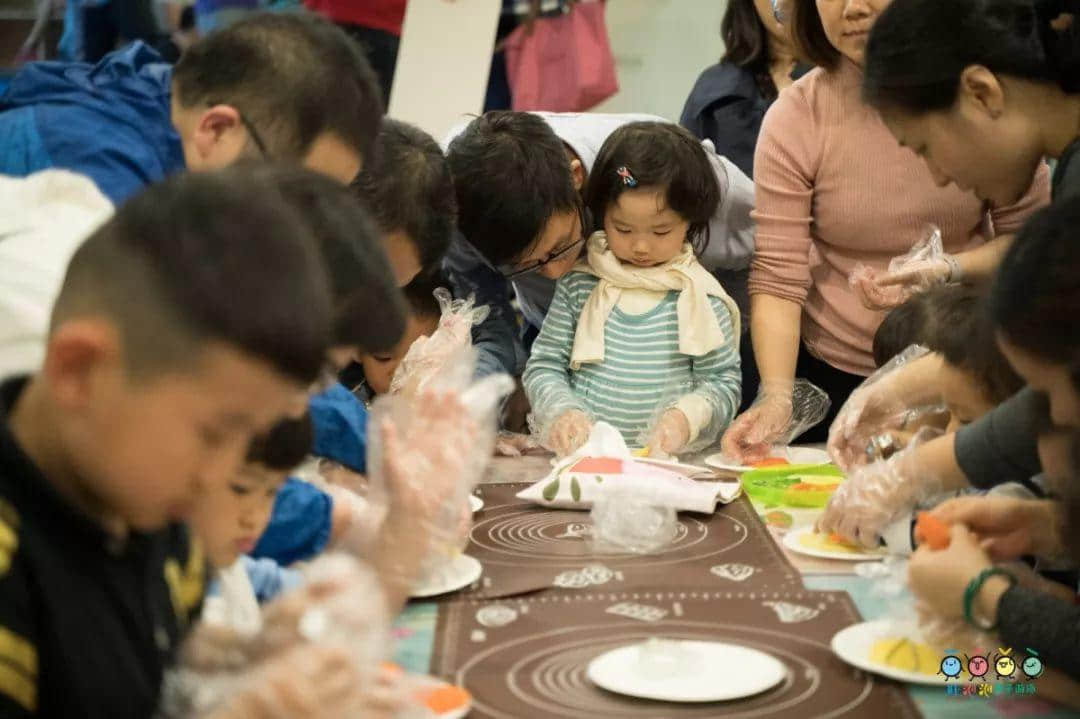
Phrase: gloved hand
(877,494)
(568,432)
(671,433)
(926,265)
(512,444)
(781,412)
(896,400)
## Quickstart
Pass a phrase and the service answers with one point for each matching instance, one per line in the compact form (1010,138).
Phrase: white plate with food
(456,574)
(778,457)
(880,647)
(686,671)
(809,542)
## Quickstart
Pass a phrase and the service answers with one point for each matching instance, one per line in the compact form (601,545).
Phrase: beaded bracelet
(973,589)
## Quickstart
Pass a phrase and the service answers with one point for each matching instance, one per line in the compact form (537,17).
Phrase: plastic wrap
(513,444)
(877,494)
(781,413)
(428,355)
(563,433)
(922,267)
(881,416)
(632,520)
(668,430)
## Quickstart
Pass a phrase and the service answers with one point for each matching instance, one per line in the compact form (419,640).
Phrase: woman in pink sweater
(833,189)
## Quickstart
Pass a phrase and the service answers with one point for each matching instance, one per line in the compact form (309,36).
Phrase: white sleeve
(731,231)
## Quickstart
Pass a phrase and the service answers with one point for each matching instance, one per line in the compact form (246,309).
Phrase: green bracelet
(973,589)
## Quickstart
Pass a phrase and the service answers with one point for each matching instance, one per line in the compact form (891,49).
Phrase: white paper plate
(792,540)
(456,575)
(475,503)
(721,672)
(794,455)
(853,645)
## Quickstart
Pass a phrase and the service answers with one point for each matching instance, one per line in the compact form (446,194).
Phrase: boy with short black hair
(407,188)
(281,86)
(169,350)
(518,178)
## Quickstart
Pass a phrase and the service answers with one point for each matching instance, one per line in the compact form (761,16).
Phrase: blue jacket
(110,121)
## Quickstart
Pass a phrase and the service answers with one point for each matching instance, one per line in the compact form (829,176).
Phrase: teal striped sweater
(642,366)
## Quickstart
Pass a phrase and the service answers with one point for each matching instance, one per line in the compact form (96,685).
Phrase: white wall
(660,48)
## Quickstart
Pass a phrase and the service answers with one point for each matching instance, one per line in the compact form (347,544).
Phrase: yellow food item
(906,655)
(826,543)
(822,480)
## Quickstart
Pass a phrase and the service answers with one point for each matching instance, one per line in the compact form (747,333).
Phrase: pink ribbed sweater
(834,188)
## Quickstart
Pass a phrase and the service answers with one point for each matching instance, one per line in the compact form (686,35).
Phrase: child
(641,317)
(423,319)
(169,350)
(406,187)
(230,518)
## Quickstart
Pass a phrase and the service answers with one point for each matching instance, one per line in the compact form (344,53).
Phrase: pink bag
(564,64)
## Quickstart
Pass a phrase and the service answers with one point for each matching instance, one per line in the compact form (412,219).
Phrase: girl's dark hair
(284,446)
(663,155)
(1035,300)
(420,293)
(918,49)
(808,35)
(746,43)
(952,321)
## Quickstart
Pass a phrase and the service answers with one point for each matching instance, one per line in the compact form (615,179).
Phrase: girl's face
(847,24)
(1053,379)
(230,518)
(981,144)
(963,396)
(642,230)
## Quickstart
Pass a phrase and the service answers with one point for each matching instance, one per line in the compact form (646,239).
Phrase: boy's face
(379,368)
(963,396)
(230,517)
(142,451)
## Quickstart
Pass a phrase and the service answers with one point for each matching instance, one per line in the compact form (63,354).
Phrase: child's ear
(75,351)
(577,171)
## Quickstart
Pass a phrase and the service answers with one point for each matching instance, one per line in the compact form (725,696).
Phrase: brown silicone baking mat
(527,657)
(526,548)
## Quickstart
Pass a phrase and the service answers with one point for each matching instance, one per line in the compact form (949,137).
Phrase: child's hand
(1009,527)
(569,432)
(940,578)
(672,432)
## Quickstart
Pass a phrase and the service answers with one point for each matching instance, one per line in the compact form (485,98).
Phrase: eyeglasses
(250,127)
(511,272)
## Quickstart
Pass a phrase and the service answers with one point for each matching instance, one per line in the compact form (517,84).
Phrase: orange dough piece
(931,531)
(770,462)
(446,698)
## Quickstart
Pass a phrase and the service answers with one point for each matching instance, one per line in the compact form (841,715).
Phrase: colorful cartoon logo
(978,666)
(1032,665)
(1004,664)
(951,666)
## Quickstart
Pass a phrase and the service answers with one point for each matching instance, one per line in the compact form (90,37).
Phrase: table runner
(527,657)
(526,548)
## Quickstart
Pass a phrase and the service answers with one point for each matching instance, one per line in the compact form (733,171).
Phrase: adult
(987,104)
(376,25)
(833,190)
(290,87)
(730,98)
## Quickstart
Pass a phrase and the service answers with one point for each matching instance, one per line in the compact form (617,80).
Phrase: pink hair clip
(628,179)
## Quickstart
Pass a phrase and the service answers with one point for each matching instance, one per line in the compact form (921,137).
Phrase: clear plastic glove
(780,413)
(567,432)
(875,495)
(512,444)
(1008,527)
(428,355)
(671,433)
(878,418)
(952,632)
(925,265)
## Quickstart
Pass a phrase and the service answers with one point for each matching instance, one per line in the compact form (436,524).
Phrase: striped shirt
(642,371)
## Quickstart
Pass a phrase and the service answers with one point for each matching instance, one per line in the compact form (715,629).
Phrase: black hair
(918,49)
(662,155)
(808,35)
(284,446)
(407,187)
(420,294)
(952,321)
(1035,299)
(294,76)
(511,175)
(361,278)
(746,42)
(199,258)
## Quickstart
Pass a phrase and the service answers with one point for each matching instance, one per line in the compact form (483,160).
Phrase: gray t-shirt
(1002,446)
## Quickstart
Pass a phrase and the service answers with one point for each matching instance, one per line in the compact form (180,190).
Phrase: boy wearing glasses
(518,178)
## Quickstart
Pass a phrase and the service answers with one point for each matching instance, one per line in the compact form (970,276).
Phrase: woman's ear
(982,89)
